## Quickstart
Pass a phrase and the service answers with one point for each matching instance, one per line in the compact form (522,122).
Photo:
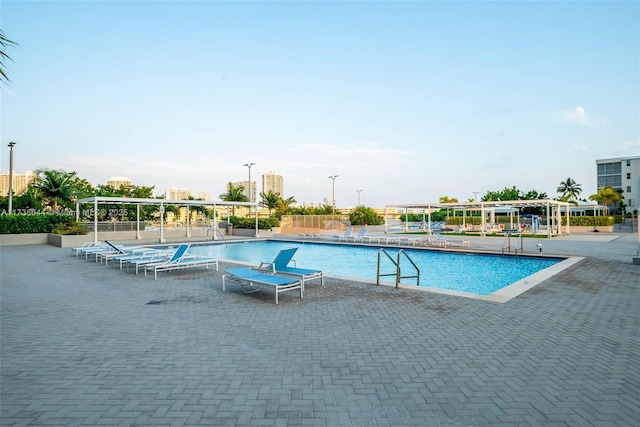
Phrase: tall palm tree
(5,43)
(570,190)
(234,194)
(269,200)
(55,186)
(606,196)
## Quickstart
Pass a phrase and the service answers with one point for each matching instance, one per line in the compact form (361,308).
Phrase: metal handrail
(396,263)
(399,276)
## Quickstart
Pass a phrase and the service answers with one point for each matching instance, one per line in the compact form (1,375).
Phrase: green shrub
(588,221)
(69,230)
(250,223)
(36,223)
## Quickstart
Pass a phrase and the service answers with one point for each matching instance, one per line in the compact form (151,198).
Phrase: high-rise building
(118,181)
(19,183)
(174,193)
(273,182)
(622,173)
(204,195)
(245,186)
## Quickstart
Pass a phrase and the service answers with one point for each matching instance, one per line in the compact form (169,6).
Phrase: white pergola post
(161,223)
(138,222)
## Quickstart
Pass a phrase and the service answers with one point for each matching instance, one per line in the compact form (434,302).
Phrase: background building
(245,186)
(118,181)
(204,195)
(174,193)
(19,183)
(273,182)
(622,173)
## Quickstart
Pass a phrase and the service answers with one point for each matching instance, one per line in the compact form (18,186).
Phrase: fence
(313,224)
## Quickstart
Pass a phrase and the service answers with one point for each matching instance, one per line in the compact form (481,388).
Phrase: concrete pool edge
(501,296)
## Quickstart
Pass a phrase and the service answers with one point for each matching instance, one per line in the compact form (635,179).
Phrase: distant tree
(507,194)
(363,215)
(4,44)
(235,193)
(284,206)
(533,195)
(606,196)
(570,190)
(55,187)
(447,199)
(270,200)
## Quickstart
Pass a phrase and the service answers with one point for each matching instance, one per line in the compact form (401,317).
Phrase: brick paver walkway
(82,344)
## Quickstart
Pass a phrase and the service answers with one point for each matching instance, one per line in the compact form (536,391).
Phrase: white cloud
(578,115)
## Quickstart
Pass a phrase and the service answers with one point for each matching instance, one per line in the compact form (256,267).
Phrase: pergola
(554,210)
(98,200)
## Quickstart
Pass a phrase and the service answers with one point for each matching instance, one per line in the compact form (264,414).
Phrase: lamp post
(10,145)
(248,165)
(333,192)
(475,194)
(359,191)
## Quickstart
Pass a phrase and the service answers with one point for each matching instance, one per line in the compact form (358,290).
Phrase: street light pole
(475,194)
(249,190)
(10,145)
(333,192)
(359,191)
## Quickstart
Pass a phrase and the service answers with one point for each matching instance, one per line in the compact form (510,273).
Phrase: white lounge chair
(255,278)
(180,260)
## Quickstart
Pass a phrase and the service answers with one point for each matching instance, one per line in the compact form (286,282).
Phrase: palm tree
(284,205)
(270,200)
(570,190)
(606,196)
(55,186)
(234,194)
(4,43)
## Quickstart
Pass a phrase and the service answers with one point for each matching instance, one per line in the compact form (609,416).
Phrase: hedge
(36,223)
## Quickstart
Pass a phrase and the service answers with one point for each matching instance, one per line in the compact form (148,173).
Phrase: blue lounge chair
(180,260)
(347,233)
(358,236)
(253,277)
(280,265)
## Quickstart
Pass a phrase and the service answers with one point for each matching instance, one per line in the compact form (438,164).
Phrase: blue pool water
(473,273)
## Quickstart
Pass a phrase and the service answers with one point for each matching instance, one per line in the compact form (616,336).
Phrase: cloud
(579,116)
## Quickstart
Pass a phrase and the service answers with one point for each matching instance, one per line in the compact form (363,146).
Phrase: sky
(406,101)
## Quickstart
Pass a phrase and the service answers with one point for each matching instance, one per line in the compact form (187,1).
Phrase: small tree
(234,194)
(606,196)
(363,215)
(270,200)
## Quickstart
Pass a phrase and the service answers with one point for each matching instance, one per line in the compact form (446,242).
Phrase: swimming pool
(472,273)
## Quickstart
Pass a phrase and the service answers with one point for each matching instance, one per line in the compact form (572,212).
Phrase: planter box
(589,228)
(69,241)
(23,239)
(250,232)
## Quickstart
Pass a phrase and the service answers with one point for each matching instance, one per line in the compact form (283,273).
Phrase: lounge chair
(280,265)
(77,250)
(347,232)
(441,240)
(179,260)
(359,236)
(144,259)
(253,277)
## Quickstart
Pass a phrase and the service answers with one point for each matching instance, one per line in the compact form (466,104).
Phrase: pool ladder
(396,263)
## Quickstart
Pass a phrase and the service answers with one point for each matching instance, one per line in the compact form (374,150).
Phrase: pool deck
(84,344)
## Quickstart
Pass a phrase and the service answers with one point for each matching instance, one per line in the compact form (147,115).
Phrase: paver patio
(83,344)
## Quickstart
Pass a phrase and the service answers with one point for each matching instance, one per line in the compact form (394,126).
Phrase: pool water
(465,272)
